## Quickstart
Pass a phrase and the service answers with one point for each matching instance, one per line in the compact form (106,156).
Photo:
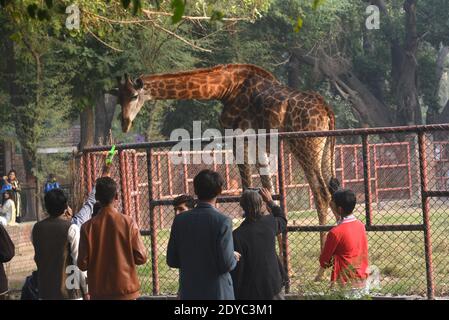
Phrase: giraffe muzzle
(126,125)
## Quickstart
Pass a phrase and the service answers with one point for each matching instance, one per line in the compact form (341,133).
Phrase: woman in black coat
(258,274)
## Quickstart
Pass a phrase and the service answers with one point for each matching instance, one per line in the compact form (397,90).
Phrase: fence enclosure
(400,176)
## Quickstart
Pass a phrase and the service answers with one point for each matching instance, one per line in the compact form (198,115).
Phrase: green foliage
(298,26)
(181,114)
(178,7)
(317,3)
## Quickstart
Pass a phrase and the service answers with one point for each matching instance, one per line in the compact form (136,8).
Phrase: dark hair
(208,184)
(345,199)
(10,193)
(55,202)
(105,190)
(12,171)
(184,198)
(252,203)
(97,207)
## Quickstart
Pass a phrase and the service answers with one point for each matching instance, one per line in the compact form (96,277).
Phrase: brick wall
(23,261)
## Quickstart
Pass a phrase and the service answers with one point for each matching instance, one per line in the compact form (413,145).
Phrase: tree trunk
(433,112)
(100,121)
(104,115)
(87,127)
(22,116)
(110,104)
(409,109)
(367,108)
(444,115)
(294,72)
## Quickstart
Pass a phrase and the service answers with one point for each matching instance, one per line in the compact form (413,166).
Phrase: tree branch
(101,41)
(173,34)
(149,13)
(140,21)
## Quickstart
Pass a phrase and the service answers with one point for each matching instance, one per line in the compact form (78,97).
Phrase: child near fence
(346,249)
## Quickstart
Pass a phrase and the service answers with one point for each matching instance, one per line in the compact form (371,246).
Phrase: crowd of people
(218,263)
(94,253)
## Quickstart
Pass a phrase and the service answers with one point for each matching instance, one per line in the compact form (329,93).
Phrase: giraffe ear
(138,84)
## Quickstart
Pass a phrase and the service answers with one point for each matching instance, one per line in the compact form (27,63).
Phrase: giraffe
(252,98)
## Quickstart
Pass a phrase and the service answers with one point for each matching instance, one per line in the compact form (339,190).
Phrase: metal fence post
(283,204)
(89,172)
(367,178)
(426,216)
(122,175)
(136,188)
(153,231)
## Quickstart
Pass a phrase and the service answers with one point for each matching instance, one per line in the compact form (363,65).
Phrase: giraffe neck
(207,84)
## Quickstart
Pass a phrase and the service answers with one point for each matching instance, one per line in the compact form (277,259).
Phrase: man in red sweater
(346,248)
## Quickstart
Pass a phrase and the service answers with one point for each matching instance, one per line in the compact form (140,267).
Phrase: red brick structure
(23,262)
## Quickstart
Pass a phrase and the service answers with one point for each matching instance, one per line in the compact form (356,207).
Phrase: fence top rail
(297,134)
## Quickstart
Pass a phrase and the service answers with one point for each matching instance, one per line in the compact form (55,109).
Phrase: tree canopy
(52,75)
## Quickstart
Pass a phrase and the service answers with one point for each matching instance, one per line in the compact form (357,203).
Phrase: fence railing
(400,176)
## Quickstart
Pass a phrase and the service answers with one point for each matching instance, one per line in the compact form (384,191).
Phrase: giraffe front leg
(263,167)
(245,175)
(244,166)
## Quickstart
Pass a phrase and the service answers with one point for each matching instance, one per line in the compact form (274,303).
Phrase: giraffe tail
(334,184)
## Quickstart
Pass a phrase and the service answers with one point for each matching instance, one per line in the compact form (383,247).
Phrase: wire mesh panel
(437,158)
(400,177)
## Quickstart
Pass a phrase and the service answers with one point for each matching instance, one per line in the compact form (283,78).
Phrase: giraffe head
(131,98)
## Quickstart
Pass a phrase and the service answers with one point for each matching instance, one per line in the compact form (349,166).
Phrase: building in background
(62,145)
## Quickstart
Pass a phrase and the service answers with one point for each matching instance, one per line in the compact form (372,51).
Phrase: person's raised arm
(278,213)
(226,259)
(85,213)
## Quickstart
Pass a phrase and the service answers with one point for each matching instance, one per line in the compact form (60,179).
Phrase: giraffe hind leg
(309,153)
(328,169)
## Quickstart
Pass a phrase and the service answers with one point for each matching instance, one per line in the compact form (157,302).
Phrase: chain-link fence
(400,176)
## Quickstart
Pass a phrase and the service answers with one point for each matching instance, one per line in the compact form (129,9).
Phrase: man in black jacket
(7,251)
(201,245)
(258,274)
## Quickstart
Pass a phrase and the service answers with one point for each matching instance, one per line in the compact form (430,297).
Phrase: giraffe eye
(134,97)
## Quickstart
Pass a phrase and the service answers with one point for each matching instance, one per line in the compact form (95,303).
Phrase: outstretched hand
(68,213)
(266,195)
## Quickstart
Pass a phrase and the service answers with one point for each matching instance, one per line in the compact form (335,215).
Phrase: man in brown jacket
(110,249)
